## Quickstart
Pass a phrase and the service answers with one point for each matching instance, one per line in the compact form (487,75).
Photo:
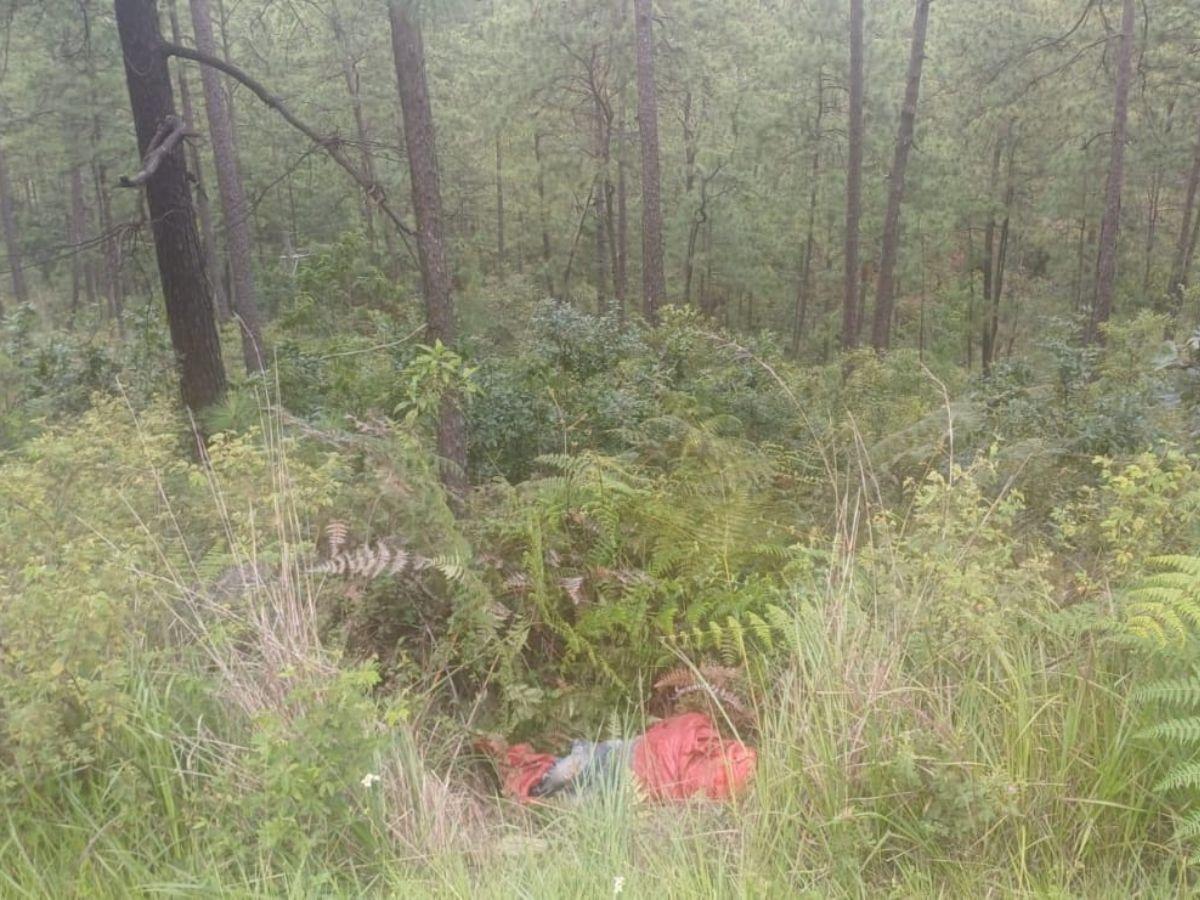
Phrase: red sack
(684,756)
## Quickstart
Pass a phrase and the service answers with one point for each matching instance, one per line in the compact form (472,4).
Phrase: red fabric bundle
(684,756)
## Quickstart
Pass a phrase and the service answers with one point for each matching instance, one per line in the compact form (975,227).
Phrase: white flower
(618,884)
(369,780)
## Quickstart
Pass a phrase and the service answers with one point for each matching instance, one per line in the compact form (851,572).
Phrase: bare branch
(166,139)
(330,144)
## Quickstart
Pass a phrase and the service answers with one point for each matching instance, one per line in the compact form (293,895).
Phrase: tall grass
(1008,773)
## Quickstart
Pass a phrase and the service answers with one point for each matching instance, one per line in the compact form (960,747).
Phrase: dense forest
(383,381)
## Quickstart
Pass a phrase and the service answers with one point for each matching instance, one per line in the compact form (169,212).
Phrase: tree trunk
(621,275)
(233,197)
(654,287)
(541,192)
(76,236)
(363,134)
(1179,264)
(881,332)
(177,246)
(804,286)
(1152,203)
(431,247)
(989,258)
(854,164)
(12,241)
(1110,226)
(207,230)
(600,197)
(500,254)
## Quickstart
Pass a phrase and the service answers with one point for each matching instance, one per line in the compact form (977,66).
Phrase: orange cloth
(684,756)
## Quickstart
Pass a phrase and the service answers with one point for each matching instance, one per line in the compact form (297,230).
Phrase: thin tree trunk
(12,241)
(500,253)
(76,235)
(881,332)
(233,197)
(600,197)
(804,287)
(362,132)
(207,230)
(989,258)
(1110,226)
(621,285)
(177,246)
(1082,244)
(653,280)
(409,54)
(1152,202)
(1179,264)
(854,164)
(541,192)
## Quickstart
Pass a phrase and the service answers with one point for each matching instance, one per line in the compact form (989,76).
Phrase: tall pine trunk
(804,284)
(208,231)
(654,286)
(1110,225)
(854,162)
(1182,259)
(233,197)
(542,213)
(885,292)
(409,53)
(173,222)
(12,240)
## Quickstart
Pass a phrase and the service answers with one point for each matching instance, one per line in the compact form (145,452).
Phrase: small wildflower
(370,779)
(618,884)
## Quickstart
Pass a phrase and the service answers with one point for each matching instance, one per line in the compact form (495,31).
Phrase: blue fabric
(590,766)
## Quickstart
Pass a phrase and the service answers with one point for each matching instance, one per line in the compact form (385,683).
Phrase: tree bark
(1179,264)
(233,197)
(409,53)
(500,252)
(362,132)
(545,225)
(1110,225)
(12,240)
(854,162)
(600,198)
(207,230)
(804,286)
(177,246)
(621,276)
(653,280)
(881,332)
(76,236)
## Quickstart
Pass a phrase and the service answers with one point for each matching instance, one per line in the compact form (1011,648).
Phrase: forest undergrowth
(939,593)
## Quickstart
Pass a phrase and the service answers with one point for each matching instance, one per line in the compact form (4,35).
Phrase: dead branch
(330,144)
(170,132)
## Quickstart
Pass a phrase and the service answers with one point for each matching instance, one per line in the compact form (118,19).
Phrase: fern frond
(371,561)
(1177,691)
(1185,775)
(1180,731)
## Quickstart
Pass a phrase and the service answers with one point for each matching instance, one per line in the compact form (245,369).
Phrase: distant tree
(1185,246)
(881,331)
(419,139)
(233,196)
(12,241)
(654,287)
(163,174)
(854,161)
(1110,224)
